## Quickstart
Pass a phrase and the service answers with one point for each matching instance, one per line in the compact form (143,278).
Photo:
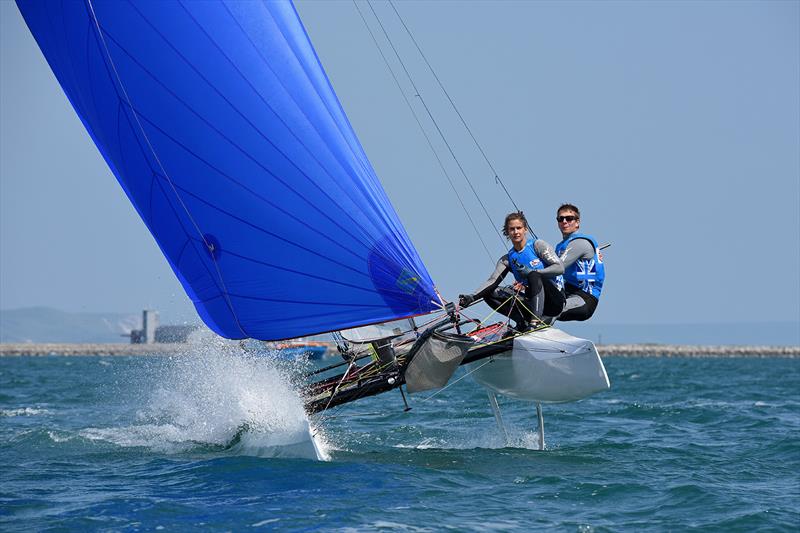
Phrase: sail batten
(224,131)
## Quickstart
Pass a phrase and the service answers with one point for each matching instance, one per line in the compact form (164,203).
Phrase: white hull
(544,366)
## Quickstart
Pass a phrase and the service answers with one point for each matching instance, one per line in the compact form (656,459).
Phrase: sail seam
(155,155)
(261,134)
(356,149)
(250,224)
(143,151)
(147,162)
(305,274)
(243,152)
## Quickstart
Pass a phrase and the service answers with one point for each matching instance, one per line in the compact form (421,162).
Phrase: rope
(534,317)
(422,129)
(433,120)
(490,360)
(336,388)
(418,121)
(452,103)
(516,301)
(324,417)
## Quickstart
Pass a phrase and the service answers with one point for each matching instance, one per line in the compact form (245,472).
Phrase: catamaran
(221,126)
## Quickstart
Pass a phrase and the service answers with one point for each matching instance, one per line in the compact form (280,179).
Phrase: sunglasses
(568,218)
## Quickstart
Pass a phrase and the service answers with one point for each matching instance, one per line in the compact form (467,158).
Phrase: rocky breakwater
(30,349)
(622,350)
(677,350)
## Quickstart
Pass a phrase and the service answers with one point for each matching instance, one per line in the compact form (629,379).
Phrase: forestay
(225,133)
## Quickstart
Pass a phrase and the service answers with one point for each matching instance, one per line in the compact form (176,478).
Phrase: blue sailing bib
(523,262)
(586,274)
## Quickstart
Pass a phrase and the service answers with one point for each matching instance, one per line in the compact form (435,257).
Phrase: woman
(536,269)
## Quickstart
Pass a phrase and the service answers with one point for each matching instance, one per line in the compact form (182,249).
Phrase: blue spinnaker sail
(225,133)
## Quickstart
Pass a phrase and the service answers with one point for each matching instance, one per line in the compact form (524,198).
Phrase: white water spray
(218,394)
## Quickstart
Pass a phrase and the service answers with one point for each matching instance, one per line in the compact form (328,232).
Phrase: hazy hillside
(44,324)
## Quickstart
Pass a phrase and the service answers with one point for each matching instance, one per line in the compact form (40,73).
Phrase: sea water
(213,440)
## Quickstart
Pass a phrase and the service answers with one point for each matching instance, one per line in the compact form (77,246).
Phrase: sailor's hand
(519,287)
(465,300)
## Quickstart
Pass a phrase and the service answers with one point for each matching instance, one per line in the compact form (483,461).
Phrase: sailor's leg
(495,300)
(579,306)
(503,300)
(541,425)
(497,417)
(534,294)
(554,299)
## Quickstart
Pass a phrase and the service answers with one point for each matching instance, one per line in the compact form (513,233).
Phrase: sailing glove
(465,300)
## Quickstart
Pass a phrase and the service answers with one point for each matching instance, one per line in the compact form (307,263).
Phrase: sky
(674,126)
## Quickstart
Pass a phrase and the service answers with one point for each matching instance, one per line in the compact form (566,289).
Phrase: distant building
(167,334)
(149,325)
(151,332)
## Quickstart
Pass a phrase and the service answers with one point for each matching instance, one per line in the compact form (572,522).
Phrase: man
(584,271)
(536,269)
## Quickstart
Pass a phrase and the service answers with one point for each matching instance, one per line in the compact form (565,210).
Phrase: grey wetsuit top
(577,249)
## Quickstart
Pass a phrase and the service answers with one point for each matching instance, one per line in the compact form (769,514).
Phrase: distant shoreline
(620,350)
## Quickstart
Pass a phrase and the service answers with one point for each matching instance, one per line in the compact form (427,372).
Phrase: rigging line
(516,301)
(490,360)
(369,373)
(336,388)
(324,417)
(424,133)
(537,318)
(452,103)
(208,245)
(495,310)
(355,379)
(436,124)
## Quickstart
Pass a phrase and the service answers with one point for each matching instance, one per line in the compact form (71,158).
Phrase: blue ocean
(200,441)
